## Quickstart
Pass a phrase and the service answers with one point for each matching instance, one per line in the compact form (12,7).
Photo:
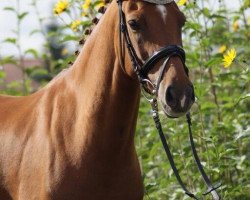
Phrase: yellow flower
(61,6)
(86,5)
(100,4)
(75,24)
(181,2)
(236,25)
(222,49)
(229,57)
(84,14)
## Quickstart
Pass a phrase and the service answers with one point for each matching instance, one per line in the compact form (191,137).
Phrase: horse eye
(134,24)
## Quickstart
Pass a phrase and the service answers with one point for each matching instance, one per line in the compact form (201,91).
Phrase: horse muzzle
(176,103)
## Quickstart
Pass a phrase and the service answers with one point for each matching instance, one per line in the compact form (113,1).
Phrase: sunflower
(100,4)
(229,57)
(61,6)
(75,24)
(86,5)
(236,26)
(181,2)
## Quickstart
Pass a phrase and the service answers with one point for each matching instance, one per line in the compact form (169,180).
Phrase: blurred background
(8,22)
(39,38)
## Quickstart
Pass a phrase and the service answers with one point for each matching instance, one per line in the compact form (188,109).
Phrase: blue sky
(8,23)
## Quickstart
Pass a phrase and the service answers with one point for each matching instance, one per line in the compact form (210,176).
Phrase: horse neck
(108,98)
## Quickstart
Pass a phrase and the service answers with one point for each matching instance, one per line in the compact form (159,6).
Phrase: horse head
(154,37)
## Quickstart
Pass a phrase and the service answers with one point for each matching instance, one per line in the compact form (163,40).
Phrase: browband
(159,1)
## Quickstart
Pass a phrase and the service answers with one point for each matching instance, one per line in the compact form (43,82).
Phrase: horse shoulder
(31,156)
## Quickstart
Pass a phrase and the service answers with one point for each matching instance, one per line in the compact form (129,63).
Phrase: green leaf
(208,106)
(32,52)
(243,97)
(150,186)
(218,16)
(8,60)
(10,40)
(213,62)
(35,32)
(206,12)
(193,25)
(70,38)
(22,15)
(11,9)
(39,74)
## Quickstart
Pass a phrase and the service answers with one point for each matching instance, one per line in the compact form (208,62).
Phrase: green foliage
(220,116)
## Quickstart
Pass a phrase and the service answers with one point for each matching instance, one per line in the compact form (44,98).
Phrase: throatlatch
(142,70)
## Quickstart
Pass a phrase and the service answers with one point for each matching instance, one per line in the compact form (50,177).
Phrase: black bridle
(142,70)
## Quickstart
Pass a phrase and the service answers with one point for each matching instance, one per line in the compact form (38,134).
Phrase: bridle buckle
(210,190)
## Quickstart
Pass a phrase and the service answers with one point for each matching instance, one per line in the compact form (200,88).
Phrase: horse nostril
(170,96)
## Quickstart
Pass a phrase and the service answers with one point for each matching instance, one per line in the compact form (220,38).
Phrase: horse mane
(86,35)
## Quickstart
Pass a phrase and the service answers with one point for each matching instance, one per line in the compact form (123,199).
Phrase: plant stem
(40,21)
(20,64)
(214,92)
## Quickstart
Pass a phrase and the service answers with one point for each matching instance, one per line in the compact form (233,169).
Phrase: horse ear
(132,5)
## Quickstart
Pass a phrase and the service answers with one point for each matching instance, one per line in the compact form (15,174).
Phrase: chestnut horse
(74,139)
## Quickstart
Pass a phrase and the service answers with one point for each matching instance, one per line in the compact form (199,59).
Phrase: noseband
(142,70)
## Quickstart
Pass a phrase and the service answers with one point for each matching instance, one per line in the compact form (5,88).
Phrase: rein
(142,70)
